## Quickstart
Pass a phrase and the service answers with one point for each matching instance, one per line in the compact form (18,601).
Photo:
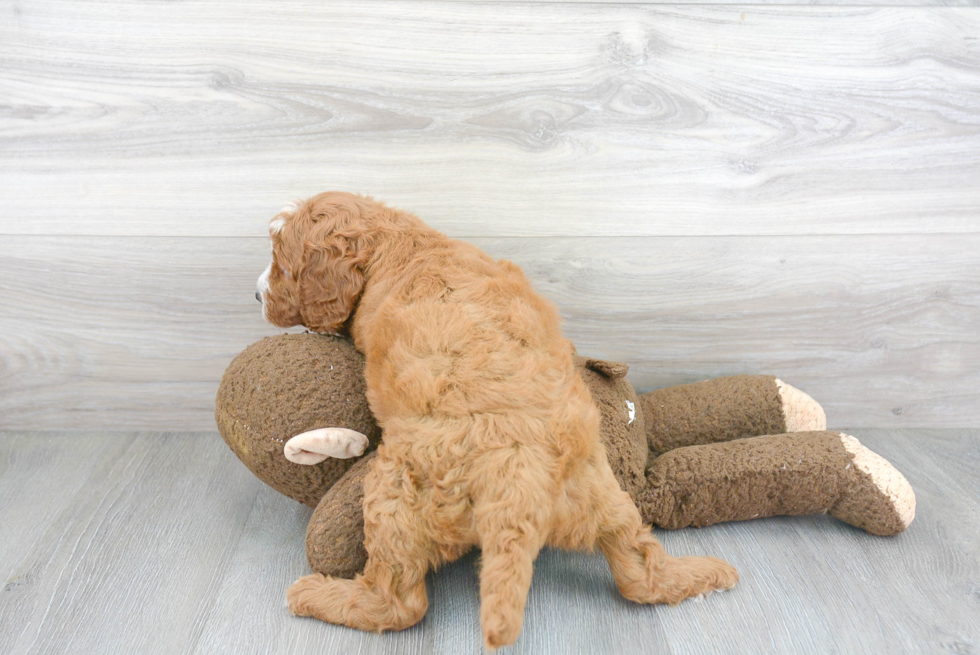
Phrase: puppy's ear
(331,278)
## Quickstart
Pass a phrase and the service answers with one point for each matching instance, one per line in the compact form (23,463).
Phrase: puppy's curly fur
(491,439)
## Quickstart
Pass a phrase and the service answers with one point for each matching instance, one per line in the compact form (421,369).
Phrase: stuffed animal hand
(314,446)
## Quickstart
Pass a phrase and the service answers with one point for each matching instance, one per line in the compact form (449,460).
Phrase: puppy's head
(317,269)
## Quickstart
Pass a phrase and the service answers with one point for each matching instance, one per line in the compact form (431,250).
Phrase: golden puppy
(491,439)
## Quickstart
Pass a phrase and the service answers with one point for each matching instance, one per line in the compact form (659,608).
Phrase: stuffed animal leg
(785,474)
(726,408)
(710,462)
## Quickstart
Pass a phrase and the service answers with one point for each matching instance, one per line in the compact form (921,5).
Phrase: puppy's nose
(258,296)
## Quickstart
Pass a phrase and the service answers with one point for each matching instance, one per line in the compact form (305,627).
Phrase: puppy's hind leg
(644,573)
(390,593)
(512,511)
(374,601)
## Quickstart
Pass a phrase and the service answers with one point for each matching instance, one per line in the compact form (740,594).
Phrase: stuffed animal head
(283,386)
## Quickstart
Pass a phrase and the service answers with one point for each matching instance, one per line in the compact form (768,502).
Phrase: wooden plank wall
(704,190)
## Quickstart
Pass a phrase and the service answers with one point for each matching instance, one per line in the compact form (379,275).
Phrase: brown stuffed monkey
(693,454)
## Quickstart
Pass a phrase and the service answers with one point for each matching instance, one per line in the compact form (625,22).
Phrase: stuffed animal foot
(778,475)
(878,498)
(801,413)
(317,445)
(724,409)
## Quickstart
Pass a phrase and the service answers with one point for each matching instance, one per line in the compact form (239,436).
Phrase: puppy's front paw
(317,445)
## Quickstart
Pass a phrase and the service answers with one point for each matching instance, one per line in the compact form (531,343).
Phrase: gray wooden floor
(163,542)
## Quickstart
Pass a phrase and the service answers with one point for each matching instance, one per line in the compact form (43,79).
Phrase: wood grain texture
(120,562)
(270,555)
(491,119)
(135,332)
(704,190)
(849,3)
(170,545)
(28,503)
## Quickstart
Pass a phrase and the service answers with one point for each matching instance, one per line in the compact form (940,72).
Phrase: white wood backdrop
(704,190)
